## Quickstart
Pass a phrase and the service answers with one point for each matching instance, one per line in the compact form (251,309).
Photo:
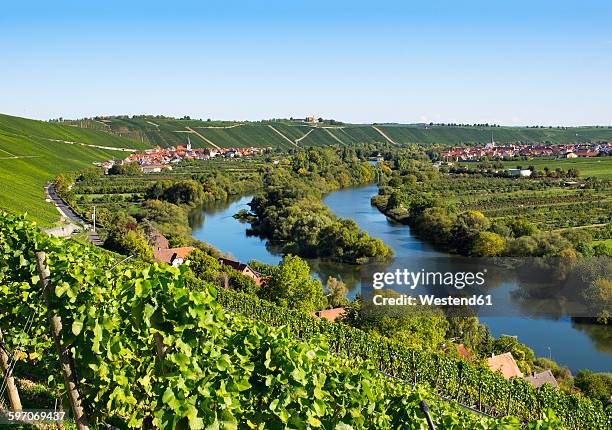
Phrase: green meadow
(597,166)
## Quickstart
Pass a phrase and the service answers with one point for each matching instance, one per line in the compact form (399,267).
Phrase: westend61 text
(429,300)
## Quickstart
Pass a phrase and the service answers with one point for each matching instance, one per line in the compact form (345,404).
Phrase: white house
(525,173)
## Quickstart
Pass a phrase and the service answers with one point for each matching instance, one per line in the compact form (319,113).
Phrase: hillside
(34,152)
(152,350)
(285,134)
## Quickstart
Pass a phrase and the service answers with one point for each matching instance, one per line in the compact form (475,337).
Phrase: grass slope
(600,167)
(12,125)
(28,160)
(167,132)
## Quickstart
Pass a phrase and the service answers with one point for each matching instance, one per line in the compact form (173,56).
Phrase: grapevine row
(477,387)
(150,351)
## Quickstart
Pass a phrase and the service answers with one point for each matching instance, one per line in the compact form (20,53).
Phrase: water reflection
(541,326)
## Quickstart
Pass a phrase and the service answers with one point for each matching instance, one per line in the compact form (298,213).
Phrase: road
(68,213)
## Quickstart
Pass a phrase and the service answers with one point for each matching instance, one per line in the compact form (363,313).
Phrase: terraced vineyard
(171,132)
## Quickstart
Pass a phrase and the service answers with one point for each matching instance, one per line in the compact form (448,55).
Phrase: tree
(204,266)
(488,244)
(129,169)
(240,282)
(520,226)
(128,242)
(292,286)
(466,229)
(598,297)
(417,326)
(435,224)
(187,192)
(595,385)
(337,292)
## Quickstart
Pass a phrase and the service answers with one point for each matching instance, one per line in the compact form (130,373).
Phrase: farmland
(600,167)
(283,134)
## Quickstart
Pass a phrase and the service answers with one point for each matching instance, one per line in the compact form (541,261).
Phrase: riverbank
(571,345)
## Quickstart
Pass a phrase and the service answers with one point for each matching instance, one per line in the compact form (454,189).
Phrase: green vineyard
(135,346)
(287,134)
(475,387)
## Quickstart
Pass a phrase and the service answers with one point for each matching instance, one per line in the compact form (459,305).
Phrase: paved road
(67,212)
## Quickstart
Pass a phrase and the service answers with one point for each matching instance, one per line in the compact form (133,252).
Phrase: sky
(509,62)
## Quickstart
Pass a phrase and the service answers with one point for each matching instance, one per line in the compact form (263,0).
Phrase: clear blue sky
(502,61)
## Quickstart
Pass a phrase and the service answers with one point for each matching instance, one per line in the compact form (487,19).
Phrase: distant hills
(286,134)
(33,152)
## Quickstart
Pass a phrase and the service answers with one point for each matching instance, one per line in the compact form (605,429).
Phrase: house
(524,173)
(311,119)
(153,168)
(243,268)
(539,379)
(173,256)
(506,364)
(329,314)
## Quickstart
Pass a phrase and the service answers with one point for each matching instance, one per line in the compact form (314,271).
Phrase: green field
(596,166)
(171,132)
(28,160)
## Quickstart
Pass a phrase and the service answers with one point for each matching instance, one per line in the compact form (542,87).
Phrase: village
(157,159)
(493,151)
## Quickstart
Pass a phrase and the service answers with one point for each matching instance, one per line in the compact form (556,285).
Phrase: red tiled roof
(171,254)
(329,314)
(506,364)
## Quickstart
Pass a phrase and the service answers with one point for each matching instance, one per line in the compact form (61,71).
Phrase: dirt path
(384,135)
(110,148)
(152,123)
(581,226)
(16,157)
(283,136)
(333,135)
(220,126)
(210,142)
(304,137)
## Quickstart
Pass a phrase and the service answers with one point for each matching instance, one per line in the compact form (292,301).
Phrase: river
(576,346)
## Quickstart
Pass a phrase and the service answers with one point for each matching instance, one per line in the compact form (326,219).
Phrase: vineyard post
(425,409)
(12,392)
(414,376)
(509,400)
(161,350)
(479,390)
(65,356)
(460,378)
